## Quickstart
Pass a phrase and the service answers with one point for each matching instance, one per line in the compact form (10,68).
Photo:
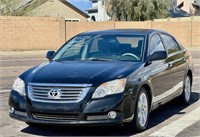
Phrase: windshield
(102,47)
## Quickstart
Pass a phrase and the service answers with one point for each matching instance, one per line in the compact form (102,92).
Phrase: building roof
(74,8)
(92,9)
(197,3)
(178,12)
(30,4)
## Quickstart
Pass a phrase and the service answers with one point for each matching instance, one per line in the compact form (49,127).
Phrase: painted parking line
(4,91)
(1,68)
(6,76)
(40,59)
(179,125)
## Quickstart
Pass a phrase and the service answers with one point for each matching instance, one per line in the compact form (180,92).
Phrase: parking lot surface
(173,119)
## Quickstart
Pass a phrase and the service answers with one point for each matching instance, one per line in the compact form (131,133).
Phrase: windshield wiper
(91,59)
(99,59)
(58,60)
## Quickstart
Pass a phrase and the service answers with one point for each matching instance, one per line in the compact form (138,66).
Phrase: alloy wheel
(142,110)
(187,89)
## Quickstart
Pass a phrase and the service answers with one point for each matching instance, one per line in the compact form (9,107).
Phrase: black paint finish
(158,76)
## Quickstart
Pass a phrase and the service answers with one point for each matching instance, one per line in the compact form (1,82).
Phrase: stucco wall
(38,33)
(31,33)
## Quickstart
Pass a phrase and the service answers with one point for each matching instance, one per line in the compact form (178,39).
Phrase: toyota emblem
(54,93)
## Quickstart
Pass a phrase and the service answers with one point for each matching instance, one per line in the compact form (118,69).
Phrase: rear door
(161,72)
(177,59)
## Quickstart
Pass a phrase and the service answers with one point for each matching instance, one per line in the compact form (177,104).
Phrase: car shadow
(172,108)
(156,117)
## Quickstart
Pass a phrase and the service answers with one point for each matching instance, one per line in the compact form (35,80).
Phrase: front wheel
(141,117)
(186,95)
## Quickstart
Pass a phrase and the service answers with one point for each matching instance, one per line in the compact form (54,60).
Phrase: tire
(187,90)
(141,115)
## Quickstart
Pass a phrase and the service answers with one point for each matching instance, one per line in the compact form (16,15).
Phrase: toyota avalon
(104,77)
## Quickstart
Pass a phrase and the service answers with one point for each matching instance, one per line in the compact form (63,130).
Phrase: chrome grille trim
(60,85)
(68,93)
(55,117)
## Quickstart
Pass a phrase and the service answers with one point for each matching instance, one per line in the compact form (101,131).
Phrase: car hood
(94,72)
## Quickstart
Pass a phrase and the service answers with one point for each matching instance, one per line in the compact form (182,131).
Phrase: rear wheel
(186,95)
(141,117)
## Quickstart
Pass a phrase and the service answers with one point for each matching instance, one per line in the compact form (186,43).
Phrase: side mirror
(159,55)
(50,54)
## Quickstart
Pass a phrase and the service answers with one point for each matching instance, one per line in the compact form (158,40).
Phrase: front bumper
(22,116)
(93,113)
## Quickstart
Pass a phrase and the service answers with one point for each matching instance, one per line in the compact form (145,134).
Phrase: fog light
(12,110)
(112,114)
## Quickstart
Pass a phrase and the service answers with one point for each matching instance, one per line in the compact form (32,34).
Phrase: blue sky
(81,4)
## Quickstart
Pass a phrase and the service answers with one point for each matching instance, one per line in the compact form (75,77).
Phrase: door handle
(184,59)
(170,65)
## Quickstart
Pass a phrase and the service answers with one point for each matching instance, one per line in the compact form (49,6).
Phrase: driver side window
(156,44)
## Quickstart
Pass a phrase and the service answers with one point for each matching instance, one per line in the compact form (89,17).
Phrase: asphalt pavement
(173,119)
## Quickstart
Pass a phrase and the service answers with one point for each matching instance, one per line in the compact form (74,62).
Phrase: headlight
(110,88)
(19,86)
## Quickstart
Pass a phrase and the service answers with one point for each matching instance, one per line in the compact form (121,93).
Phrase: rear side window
(156,44)
(170,44)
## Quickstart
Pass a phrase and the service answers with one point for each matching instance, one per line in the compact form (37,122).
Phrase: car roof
(124,31)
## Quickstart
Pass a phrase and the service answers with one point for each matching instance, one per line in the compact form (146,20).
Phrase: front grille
(57,93)
(55,117)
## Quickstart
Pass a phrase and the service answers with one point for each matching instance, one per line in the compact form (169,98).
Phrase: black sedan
(104,77)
